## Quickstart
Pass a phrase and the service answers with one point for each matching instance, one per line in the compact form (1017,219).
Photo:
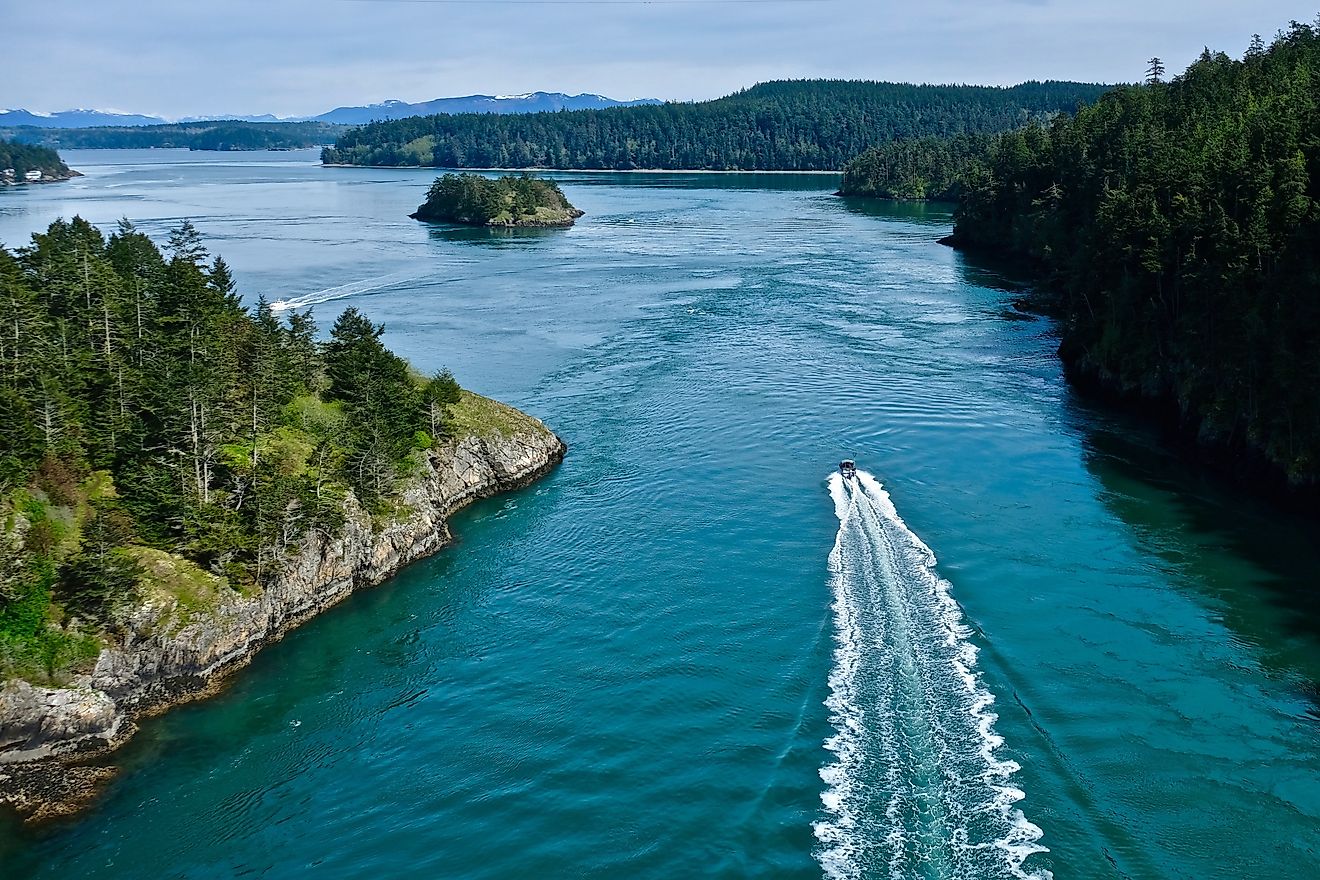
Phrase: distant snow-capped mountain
(264,117)
(75,118)
(532,102)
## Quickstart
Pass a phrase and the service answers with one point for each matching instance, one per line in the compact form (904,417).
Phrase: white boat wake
(342,291)
(915,789)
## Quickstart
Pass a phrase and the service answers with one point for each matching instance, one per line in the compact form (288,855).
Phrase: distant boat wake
(378,283)
(342,291)
(915,789)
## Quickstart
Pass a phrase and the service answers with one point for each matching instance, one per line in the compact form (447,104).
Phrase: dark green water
(634,668)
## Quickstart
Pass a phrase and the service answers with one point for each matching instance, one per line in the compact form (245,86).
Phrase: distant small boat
(848,468)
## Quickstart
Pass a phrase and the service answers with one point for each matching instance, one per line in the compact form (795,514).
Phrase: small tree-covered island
(509,201)
(183,478)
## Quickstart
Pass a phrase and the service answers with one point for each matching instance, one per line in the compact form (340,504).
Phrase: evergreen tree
(441,392)
(22,158)
(794,125)
(185,244)
(1179,224)
(380,399)
(142,404)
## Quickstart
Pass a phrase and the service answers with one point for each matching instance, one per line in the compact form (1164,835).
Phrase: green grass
(486,418)
(38,641)
(171,579)
(48,655)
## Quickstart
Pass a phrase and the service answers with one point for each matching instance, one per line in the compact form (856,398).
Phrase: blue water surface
(622,671)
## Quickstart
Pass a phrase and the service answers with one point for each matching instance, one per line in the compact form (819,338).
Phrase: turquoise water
(680,654)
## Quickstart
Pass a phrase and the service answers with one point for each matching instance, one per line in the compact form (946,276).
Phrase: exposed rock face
(36,718)
(159,662)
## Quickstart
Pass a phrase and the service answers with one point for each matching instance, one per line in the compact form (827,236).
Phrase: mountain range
(532,102)
(74,118)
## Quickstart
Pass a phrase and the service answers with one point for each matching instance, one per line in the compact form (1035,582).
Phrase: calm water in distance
(624,670)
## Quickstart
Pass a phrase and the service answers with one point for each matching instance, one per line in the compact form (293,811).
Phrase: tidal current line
(914,789)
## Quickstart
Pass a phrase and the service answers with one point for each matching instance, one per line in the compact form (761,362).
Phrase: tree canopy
(793,125)
(219,135)
(27,157)
(511,200)
(1179,223)
(916,169)
(143,408)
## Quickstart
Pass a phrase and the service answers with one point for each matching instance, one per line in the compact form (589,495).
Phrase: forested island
(804,125)
(221,135)
(26,163)
(182,478)
(509,201)
(1174,228)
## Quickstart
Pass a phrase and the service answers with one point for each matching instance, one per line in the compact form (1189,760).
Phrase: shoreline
(1230,459)
(565,223)
(539,170)
(55,742)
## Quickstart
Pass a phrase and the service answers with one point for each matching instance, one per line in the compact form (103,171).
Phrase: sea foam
(915,788)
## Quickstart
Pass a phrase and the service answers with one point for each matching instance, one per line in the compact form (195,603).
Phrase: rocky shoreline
(561,220)
(60,177)
(54,741)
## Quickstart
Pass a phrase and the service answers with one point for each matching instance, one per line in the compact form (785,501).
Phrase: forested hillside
(916,168)
(144,411)
(224,135)
(793,125)
(1178,221)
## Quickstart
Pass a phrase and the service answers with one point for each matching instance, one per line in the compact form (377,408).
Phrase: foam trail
(914,789)
(353,288)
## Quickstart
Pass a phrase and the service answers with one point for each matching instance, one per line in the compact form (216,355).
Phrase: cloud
(302,57)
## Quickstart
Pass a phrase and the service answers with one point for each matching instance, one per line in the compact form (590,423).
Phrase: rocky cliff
(49,736)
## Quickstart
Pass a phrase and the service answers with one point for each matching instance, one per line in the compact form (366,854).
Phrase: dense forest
(511,200)
(808,125)
(1178,224)
(145,412)
(916,168)
(22,158)
(224,135)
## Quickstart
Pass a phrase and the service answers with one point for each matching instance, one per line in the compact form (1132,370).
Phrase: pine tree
(185,244)
(440,392)
(201,428)
(304,359)
(380,399)
(1179,224)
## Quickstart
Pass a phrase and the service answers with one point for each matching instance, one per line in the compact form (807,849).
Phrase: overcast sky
(301,57)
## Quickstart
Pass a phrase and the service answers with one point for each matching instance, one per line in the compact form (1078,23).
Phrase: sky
(301,57)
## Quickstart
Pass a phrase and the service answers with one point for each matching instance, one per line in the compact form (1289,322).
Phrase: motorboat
(848,468)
